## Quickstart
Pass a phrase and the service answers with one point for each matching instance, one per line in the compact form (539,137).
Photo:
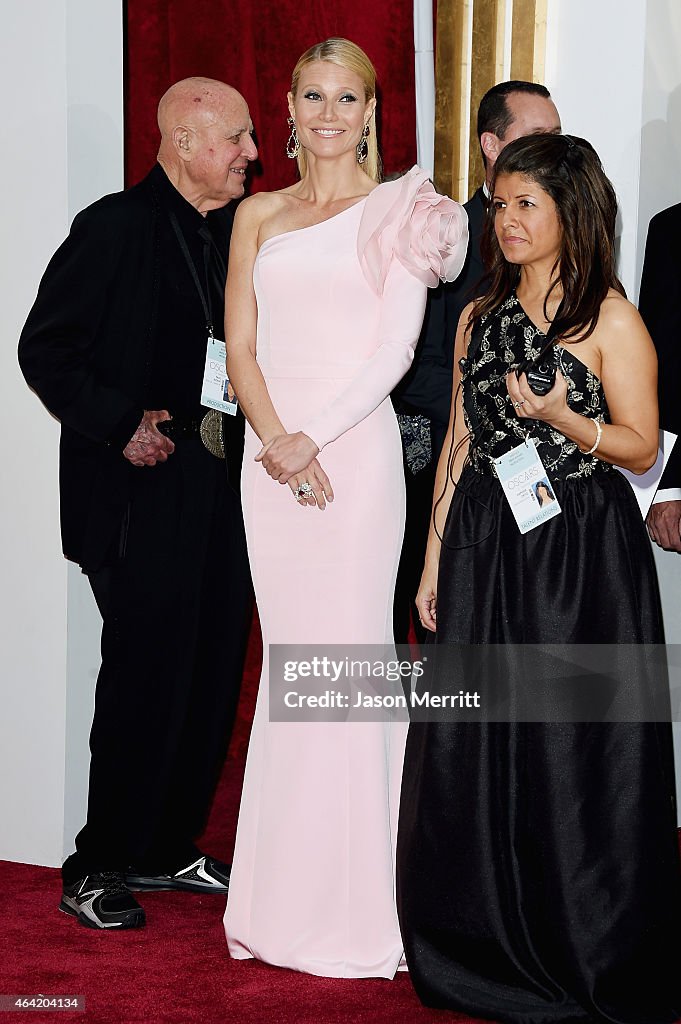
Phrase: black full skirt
(537,864)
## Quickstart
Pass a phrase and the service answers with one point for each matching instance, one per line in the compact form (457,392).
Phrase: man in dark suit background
(507,111)
(115,346)
(660,307)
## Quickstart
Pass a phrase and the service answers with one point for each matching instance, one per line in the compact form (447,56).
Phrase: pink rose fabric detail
(408,220)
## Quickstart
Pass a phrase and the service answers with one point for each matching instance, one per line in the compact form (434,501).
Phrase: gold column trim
(489,18)
(528,40)
(539,62)
(462,80)
(452,77)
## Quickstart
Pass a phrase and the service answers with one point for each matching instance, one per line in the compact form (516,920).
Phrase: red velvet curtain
(253,45)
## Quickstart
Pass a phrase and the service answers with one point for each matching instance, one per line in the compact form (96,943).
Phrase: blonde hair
(351,57)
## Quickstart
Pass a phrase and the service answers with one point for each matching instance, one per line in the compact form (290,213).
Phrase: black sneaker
(203,875)
(102,900)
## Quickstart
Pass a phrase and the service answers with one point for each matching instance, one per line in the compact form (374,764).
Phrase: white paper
(215,380)
(645,486)
(521,473)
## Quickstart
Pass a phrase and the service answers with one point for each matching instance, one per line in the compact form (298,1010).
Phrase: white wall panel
(595,71)
(660,187)
(61,70)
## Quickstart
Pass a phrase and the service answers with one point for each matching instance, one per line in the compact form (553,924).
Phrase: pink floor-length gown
(340,307)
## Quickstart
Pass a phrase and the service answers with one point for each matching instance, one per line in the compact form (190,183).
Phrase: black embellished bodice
(500,341)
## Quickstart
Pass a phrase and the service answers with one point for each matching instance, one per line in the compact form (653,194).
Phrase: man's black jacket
(427,388)
(660,306)
(89,346)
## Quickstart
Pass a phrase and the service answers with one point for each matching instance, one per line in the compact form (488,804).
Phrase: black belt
(208,429)
(181,428)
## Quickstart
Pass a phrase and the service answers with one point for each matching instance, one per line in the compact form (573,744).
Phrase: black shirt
(175,377)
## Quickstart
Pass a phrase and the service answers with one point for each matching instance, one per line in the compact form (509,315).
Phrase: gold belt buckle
(212,435)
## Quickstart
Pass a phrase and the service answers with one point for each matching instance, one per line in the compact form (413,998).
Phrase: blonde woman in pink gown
(325,298)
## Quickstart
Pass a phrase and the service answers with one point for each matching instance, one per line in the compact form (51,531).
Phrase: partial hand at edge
(426,599)
(147,446)
(664,524)
(286,455)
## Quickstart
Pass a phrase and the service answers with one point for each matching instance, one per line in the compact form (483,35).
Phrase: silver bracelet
(599,435)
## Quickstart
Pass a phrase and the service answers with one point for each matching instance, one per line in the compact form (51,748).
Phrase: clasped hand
(290,459)
(287,454)
(147,446)
(549,408)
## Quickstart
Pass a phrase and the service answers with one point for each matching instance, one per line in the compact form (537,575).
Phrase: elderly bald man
(124,339)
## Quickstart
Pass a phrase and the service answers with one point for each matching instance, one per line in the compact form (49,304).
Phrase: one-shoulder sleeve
(409,237)
(409,221)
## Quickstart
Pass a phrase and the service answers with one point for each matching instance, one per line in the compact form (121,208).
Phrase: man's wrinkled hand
(286,455)
(664,524)
(147,446)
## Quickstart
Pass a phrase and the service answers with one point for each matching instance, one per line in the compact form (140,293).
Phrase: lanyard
(204,296)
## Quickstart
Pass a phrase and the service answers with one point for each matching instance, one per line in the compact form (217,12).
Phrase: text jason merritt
(338,699)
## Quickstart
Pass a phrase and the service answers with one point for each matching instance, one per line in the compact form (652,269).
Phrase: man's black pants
(176,605)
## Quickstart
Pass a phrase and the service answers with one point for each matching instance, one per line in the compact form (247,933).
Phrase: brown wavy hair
(569,170)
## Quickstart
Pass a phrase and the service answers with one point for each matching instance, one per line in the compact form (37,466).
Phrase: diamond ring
(303,490)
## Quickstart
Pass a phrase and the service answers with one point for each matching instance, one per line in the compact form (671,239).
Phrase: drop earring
(362,146)
(293,144)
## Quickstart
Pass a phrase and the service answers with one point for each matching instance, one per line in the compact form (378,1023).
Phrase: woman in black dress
(538,867)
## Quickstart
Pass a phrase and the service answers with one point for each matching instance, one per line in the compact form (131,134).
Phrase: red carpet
(177,970)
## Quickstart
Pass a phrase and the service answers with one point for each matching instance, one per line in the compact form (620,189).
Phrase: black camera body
(541,377)
(540,373)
